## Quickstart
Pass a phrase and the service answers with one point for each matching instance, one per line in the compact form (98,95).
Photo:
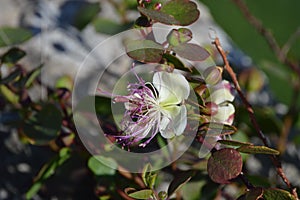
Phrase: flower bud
(213,75)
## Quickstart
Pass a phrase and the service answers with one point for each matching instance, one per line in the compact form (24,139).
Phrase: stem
(250,110)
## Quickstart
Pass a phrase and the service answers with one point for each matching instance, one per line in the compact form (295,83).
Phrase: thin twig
(270,39)
(250,110)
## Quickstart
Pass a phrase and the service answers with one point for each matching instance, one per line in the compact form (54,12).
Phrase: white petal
(221,95)
(224,112)
(171,124)
(172,87)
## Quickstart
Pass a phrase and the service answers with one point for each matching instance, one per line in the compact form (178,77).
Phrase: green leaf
(142,194)
(9,95)
(12,56)
(224,165)
(11,36)
(179,180)
(176,12)
(86,14)
(191,51)
(110,27)
(32,76)
(101,165)
(257,150)
(48,170)
(234,143)
(43,125)
(148,176)
(277,194)
(146,51)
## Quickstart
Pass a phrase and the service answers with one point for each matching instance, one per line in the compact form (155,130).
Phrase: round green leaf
(224,165)
(10,36)
(146,51)
(101,165)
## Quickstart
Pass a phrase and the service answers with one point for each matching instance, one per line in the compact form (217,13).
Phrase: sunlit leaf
(277,194)
(10,36)
(110,27)
(176,12)
(12,56)
(179,180)
(146,51)
(257,150)
(43,125)
(9,95)
(191,51)
(224,165)
(141,194)
(101,165)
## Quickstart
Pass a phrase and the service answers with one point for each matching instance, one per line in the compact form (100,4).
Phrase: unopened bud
(213,75)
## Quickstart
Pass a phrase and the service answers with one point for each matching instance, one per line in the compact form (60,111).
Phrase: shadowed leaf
(110,27)
(253,194)
(12,56)
(179,181)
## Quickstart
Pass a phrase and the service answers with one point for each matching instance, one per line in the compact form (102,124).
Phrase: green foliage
(141,194)
(12,36)
(179,180)
(43,125)
(101,165)
(12,56)
(86,14)
(110,27)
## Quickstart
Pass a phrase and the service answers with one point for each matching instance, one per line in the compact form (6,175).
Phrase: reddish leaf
(146,51)
(191,51)
(176,12)
(224,165)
